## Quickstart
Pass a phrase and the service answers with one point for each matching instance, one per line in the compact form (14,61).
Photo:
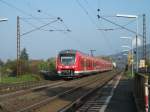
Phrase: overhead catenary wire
(27,14)
(34,26)
(123,27)
(107,16)
(33,7)
(19,10)
(87,13)
(12,6)
(117,28)
(37,18)
(93,22)
(51,17)
(92,10)
(38,28)
(84,9)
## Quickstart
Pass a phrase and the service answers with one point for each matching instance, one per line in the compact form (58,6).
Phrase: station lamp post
(3,19)
(133,16)
(125,46)
(125,54)
(125,50)
(129,38)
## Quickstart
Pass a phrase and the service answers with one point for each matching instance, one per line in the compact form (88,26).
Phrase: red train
(73,63)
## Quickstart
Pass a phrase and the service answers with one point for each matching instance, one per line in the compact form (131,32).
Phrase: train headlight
(60,66)
(59,72)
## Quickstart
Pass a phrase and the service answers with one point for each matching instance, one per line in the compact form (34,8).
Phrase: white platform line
(109,97)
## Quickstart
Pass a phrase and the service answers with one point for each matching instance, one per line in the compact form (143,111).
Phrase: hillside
(121,59)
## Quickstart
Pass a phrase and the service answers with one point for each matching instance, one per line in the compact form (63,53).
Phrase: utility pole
(144,37)
(91,51)
(1,20)
(18,47)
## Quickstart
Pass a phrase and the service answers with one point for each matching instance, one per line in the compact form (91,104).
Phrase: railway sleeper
(96,103)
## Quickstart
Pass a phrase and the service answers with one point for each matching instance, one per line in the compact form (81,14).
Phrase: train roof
(68,51)
(71,51)
(75,51)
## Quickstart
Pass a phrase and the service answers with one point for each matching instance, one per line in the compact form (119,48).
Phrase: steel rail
(45,101)
(80,101)
(21,92)
(20,105)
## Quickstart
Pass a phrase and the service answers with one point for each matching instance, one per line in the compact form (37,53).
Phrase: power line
(38,10)
(118,25)
(92,10)
(117,28)
(50,15)
(92,21)
(109,29)
(103,34)
(38,28)
(30,15)
(38,18)
(86,12)
(12,6)
(34,26)
(107,17)
(31,24)
(21,11)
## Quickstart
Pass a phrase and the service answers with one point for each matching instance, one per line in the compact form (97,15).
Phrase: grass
(129,74)
(20,79)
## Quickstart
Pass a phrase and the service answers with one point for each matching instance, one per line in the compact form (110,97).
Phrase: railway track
(8,88)
(81,99)
(57,98)
(61,94)
(64,100)
(27,90)
(96,100)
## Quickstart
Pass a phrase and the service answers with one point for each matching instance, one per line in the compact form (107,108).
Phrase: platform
(122,99)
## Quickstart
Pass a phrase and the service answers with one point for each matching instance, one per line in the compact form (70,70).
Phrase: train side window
(88,63)
(82,62)
(85,64)
(94,64)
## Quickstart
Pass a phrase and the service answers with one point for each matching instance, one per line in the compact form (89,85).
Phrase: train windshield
(67,59)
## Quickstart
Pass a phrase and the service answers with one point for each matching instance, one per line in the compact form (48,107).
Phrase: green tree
(148,63)
(24,62)
(52,64)
(1,63)
(43,66)
(24,55)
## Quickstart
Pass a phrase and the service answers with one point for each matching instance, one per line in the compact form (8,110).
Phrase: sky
(79,16)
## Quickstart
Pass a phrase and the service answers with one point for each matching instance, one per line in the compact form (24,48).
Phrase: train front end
(66,63)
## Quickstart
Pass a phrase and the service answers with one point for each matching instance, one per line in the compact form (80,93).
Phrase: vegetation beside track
(30,69)
(21,78)
(128,74)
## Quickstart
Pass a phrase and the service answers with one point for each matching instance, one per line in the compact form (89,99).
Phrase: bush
(9,68)
(129,74)
(21,78)
(52,65)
